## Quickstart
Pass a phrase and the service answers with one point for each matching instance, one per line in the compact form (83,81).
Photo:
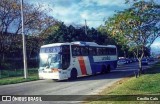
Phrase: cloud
(155,47)
(156,43)
(102,2)
(76,11)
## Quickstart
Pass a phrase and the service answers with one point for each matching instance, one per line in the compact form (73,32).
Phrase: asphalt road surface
(89,85)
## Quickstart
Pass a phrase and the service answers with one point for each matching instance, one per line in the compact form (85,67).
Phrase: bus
(60,61)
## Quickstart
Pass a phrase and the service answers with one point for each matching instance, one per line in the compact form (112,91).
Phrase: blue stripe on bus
(92,64)
(96,66)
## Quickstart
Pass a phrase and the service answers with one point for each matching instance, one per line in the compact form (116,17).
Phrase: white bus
(76,59)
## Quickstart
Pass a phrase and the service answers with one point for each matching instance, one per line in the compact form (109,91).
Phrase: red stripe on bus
(82,65)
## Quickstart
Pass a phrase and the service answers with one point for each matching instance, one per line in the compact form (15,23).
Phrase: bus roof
(81,43)
(55,44)
(85,43)
(111,46)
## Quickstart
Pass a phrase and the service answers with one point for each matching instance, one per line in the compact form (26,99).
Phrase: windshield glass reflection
(50,60)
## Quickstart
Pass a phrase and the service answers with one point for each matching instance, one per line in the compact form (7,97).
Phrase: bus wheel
(73,74)
(108,69)
(103,70)
(55,80)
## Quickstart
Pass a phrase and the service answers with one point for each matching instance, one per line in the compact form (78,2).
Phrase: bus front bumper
(47,75)
(52,75)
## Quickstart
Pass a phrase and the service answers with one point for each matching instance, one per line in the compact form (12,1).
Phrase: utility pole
(85,26)
(24,44)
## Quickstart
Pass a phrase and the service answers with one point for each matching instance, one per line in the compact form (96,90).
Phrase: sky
(95,12)
(76,11)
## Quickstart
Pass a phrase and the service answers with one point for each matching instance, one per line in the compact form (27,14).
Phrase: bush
(6,66)
(18,64)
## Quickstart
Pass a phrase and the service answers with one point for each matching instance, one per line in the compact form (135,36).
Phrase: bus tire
(55,80)
(73,74)
(108,69)
(103,70)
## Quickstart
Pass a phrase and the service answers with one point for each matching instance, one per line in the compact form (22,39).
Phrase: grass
(16,76)
(14,80)
(16,72)
(147,84)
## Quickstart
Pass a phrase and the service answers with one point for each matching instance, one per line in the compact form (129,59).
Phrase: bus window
(76,51)
(73,50)
(99,51)
(111,51)
(104,51)
(92,51)
(84,51)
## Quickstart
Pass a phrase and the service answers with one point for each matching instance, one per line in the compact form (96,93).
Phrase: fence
(16,72)
(14,67)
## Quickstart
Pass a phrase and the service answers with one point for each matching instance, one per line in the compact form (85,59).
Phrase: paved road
(82,86)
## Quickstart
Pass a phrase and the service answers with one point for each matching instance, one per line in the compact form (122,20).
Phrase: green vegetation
(135,28)
(14,80)
(17,72)
(16,76)
(147,84)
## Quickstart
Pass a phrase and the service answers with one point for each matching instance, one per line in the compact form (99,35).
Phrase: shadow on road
(112,75)
(154,70)
(120,72)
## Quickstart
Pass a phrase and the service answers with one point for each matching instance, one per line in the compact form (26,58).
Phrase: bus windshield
(50,60)
(55,57)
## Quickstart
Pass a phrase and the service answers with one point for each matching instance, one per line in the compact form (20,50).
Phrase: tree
(136,27)
(63,33)
(36,20)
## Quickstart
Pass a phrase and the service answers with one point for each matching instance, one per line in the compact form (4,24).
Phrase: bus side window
(107,51)
(84,51)
(76,51)
(99,51)
(92,51)
(113,50)
(104,51)
(73,50)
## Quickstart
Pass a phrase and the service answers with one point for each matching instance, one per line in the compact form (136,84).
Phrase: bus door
(65,56)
